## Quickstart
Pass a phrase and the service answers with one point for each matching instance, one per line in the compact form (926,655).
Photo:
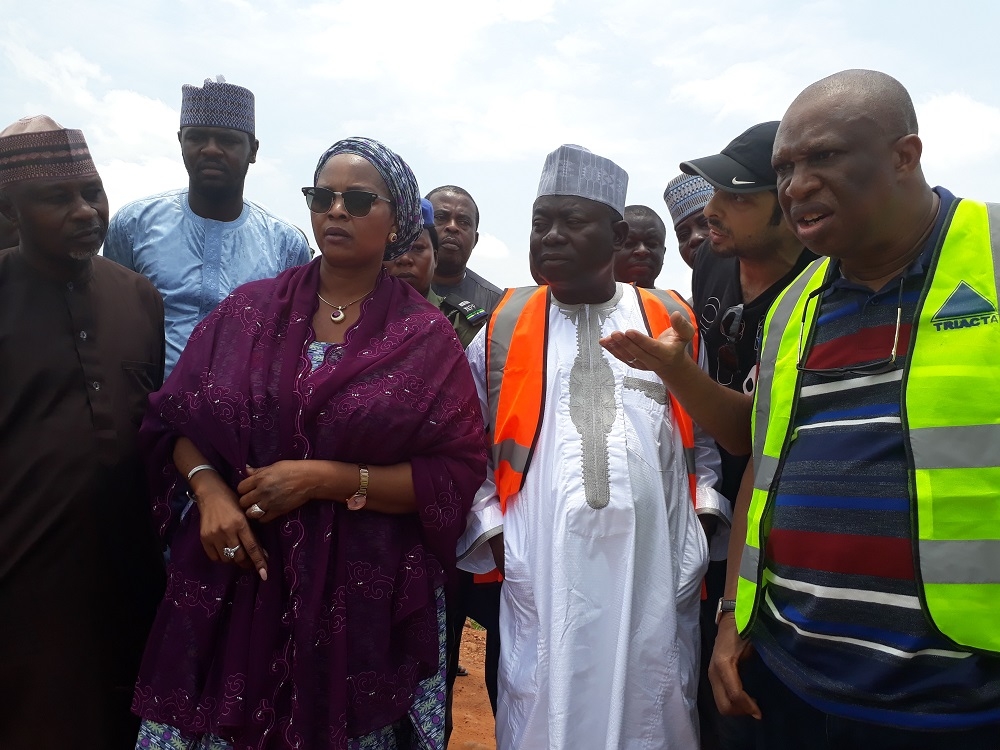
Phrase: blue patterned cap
(218,104)
(398,177)
(685,195)
(574,170)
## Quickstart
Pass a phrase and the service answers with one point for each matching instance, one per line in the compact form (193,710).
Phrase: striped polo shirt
(840,621)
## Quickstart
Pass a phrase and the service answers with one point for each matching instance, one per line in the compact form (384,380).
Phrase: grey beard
(83,254)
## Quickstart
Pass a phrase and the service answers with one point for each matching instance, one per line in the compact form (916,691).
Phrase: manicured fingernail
(263,574)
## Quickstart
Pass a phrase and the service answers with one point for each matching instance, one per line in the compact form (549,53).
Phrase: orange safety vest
(516,346)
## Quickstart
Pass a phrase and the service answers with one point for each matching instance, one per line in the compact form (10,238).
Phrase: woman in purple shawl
(328,429)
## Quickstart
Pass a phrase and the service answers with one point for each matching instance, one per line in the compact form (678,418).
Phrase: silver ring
(256,511)
(230,552)
(632,361)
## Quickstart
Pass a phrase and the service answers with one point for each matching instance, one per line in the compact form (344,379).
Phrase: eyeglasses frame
(878,367)
(340,193)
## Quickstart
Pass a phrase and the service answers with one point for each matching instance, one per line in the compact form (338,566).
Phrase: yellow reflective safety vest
(516,347)
(951,420)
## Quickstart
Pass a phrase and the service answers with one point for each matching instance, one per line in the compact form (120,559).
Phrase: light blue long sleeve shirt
(194,262)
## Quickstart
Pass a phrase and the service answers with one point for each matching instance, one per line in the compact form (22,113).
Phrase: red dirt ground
(472,716)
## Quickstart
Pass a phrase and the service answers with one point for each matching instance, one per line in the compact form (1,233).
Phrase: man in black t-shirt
(749,257)
(754,255)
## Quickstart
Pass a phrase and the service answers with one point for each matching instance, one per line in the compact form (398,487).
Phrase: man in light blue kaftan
(198,244)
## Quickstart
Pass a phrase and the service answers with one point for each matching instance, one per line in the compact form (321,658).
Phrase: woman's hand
(223,526)
(272,491)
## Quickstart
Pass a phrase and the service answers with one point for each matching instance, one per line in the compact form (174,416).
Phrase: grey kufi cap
(685,195)
(573,170)
(217,104)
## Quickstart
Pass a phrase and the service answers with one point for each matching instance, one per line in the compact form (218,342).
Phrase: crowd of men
(764,517)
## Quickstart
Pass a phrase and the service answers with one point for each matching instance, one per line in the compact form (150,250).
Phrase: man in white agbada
(598,538)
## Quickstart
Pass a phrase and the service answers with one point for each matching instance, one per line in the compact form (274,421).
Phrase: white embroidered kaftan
(604,553)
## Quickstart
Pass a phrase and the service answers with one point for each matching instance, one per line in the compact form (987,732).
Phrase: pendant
(337,316)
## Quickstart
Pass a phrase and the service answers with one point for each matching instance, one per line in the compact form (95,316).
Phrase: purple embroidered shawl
(334,643)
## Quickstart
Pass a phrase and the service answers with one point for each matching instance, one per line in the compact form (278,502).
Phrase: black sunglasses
(878,367)
(731,326)
(357,202)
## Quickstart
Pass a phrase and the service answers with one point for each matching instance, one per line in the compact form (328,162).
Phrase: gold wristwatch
(358,499)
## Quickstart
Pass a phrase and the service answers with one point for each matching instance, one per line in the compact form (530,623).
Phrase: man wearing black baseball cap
(744,166)
(754,255)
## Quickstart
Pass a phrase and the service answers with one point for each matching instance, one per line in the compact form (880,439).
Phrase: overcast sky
(477,92)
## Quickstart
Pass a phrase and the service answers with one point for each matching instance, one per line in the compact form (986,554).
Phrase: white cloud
(476,93)
(511,125)
(491,247)
(578,45)
(753,91)
(247,8)
(134,125)
(126,181)
(65,73)
(957,130)
(961,137)
(418,37)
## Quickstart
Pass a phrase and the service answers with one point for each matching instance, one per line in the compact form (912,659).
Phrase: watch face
(356,502)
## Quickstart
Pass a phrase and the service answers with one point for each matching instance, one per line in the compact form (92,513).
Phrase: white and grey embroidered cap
(574,170)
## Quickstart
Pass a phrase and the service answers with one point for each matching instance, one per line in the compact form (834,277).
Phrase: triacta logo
(964,308)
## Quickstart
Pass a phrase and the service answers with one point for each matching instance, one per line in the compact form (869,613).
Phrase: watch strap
(358,499)
(724,605)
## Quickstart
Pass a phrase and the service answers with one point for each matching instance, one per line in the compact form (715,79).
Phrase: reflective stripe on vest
(515,389)
(770,409)
(516,378)
(951,417)
(657,321)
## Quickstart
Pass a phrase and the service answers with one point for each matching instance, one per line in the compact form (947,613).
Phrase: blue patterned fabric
(156,736)
(400,180)
(422,729)
(427,211)
(195,262)
(218,105)
(317,352)
(687,194)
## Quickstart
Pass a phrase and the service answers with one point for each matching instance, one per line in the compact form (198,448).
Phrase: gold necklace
(337,316)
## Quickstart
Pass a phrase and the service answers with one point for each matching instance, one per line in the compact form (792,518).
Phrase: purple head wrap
(400,180)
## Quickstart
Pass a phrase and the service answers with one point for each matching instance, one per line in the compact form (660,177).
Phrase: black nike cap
(744,166)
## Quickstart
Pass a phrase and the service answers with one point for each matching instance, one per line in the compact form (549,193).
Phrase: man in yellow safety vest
(863,589)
